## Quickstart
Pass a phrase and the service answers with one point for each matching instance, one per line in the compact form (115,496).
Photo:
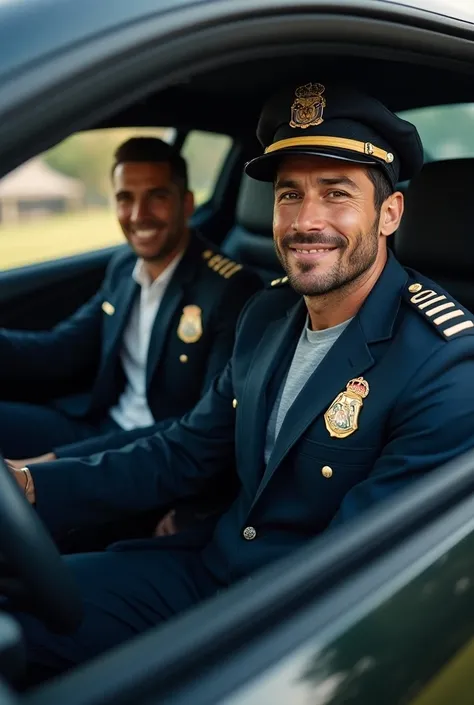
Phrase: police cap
(336,121)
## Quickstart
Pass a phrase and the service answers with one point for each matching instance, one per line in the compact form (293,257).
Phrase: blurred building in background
(36,190)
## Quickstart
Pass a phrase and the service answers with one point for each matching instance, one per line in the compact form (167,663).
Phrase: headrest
(437,229)
(255,206)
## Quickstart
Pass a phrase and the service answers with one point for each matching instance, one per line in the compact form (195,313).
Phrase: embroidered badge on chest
(342,416)
(190,324)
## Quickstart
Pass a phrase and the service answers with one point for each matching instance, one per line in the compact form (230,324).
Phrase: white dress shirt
(132,410)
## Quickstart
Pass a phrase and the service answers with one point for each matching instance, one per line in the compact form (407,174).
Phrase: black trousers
(125,593)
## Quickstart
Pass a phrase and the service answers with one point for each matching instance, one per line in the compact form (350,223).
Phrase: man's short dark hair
(382,186)
(152,149)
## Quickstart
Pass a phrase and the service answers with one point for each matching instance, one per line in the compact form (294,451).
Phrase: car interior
(435,238)
(238,215)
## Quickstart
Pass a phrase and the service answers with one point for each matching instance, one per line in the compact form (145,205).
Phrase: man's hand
(25,481)
(18,464)
(167,525)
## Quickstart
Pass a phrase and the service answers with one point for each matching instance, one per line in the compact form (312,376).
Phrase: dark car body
(378,612)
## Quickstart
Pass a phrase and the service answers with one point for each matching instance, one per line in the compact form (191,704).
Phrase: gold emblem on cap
(190,325)
(414,288)
(308,106)
(342,416)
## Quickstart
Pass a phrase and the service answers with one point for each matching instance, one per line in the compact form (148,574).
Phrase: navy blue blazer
(341,448)
(188,346)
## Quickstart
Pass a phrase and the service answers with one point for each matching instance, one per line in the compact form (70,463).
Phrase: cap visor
(264,168)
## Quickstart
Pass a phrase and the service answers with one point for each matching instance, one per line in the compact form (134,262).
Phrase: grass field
(57,236)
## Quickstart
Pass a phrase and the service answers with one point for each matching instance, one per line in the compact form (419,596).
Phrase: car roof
(61,24)
(458,9)
(225,96)
(225,100)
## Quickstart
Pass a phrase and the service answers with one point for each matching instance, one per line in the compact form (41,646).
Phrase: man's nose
(311,215)
(139,210)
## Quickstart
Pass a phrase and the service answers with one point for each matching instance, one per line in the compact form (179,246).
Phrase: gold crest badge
(342,416)
(308,106)
(190,324)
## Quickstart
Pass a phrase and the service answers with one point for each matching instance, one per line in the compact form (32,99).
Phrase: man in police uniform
(351,383)
(144,349)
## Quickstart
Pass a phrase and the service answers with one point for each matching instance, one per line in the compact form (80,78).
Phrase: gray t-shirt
(312,347)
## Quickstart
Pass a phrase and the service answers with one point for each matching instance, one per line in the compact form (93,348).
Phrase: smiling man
(330,230)
(324,254)
(145,348)
(350,378)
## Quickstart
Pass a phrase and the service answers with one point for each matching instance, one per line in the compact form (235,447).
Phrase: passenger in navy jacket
(145,348)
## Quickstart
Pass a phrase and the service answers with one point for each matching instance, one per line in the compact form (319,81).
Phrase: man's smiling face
(325,223)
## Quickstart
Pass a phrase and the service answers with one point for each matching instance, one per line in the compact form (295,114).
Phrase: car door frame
(256,641)
(152,667)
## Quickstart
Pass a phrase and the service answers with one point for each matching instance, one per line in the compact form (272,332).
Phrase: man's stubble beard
(175,235)
(342,274)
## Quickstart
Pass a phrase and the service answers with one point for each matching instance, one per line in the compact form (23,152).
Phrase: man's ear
(188,204)
(391,213)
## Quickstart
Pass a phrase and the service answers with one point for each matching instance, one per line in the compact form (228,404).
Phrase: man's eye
(289,196)
(338,194)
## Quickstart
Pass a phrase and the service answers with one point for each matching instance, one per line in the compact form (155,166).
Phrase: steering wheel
(29,550)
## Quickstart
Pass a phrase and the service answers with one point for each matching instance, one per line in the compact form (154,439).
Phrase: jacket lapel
(349,357)
(267,371)
(122,303)
(174,293)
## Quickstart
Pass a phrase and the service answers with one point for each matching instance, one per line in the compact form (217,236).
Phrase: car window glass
(447,131)
(205,153)
(60,203)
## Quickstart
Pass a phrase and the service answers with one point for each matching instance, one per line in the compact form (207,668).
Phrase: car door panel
(399,632)
(376,611)
(39,296)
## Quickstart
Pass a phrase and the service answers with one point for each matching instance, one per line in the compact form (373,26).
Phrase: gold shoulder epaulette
(444,314)
(279,282)
(220,264)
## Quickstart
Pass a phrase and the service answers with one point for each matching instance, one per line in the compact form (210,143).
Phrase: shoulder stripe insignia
(447,316)
(432,301)
(438,309)
(231,272)
(215,261)
(423,299)
(458,328)
(220,264)
(280,280)
(226,267)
